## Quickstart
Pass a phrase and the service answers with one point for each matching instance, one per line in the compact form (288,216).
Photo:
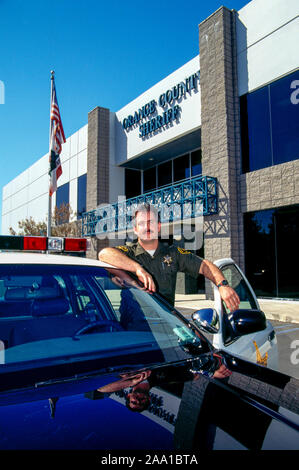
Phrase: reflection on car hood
(188,408)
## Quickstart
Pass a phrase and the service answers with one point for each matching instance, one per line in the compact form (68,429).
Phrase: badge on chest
(168,260)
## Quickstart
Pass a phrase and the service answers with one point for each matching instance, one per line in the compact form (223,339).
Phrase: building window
(62,204)
(196,166)
(62,195)
(271,238)
(172,171)
(81,196)
(149,179)
(181,167)
(132,183)
(165,173)
(270,125)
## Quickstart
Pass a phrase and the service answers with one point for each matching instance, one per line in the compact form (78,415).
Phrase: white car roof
(45,258)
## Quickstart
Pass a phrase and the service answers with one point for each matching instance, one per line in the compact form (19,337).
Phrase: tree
(60,227)
(30,227)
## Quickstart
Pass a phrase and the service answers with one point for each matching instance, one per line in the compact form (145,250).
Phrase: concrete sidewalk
(280,310)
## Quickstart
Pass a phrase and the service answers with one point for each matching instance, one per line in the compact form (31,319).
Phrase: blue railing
(190,198)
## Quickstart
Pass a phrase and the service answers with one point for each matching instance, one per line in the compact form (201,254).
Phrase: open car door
(259,347)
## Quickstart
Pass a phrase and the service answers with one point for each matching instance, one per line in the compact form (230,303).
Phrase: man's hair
(145,208)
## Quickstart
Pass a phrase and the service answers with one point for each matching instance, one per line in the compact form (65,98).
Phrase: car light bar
(75,244)
(35,243)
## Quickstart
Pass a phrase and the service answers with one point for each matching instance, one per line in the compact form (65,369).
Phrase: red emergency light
(36,243)
(75,244)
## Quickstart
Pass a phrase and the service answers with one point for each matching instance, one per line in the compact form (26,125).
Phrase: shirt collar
(140,250)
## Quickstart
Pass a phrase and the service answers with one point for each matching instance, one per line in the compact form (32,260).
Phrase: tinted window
(236,281)
(53,312)
(271,239)
(81,199)
(270,124)
(181,168)
(164,173)
(256,120)
(149,179)
(62,195)
(285,120)
(196,167)
(132,183)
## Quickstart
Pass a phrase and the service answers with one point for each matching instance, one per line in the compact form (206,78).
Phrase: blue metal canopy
(187,199)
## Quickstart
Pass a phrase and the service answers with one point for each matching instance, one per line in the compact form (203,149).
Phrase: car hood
(189,408)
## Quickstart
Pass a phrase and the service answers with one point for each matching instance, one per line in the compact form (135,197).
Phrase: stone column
(97,191)
(220,129)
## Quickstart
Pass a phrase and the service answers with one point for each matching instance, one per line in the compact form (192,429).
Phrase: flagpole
(50,197)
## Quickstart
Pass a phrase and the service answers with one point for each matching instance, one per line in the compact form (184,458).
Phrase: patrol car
(83,346)
(261,346)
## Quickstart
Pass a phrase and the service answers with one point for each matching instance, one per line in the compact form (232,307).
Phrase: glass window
(236,281)
(287,253)
(181,168)
(132,183)
(271,239)
(260,252)
(61,314)
(255,117)
(81,196)
(270,124)
(165,173)
(149,179)
(196,167)
(285,120)
(62,204)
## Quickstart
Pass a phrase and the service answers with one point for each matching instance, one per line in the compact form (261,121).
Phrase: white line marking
(287,324)
(287,331)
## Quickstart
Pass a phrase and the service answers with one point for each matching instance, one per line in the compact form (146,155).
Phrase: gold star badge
(259,359)
(167,260)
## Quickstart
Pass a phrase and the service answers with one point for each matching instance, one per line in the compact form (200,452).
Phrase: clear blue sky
(104,53)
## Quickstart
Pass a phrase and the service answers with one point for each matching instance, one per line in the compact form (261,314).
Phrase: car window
(237,282)
(23,295)
(57,312)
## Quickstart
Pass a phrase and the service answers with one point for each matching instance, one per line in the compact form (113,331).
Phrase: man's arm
(120,260)
(227,293)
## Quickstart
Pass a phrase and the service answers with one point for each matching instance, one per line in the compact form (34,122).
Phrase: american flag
(57,138)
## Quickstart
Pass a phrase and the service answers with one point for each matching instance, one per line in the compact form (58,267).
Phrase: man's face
(139,397)
(147,226)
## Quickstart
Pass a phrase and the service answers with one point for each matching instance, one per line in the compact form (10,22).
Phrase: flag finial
(52,74)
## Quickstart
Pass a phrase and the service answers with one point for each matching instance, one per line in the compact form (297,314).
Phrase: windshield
(58,314)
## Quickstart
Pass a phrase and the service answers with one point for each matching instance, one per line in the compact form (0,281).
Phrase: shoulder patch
(122,248)
(183,251)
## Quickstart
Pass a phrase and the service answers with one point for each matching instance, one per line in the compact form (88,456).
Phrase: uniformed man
(157,265)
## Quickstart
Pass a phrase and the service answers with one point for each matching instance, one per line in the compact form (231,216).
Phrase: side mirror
(206,319)
(243,322)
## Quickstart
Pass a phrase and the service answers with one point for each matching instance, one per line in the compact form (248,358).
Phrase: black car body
(90,361)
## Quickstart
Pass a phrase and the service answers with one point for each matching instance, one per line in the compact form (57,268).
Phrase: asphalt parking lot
(280,310)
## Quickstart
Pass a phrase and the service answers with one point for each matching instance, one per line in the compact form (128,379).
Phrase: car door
(260,347)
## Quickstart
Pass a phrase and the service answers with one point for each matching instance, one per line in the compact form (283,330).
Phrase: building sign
(168,102)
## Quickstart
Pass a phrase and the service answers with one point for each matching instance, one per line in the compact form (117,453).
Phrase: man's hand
(120,260)
(230,297)
(146,279)
(222,372)
(228,294)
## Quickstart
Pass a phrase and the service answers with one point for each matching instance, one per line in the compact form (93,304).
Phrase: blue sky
(103,53)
